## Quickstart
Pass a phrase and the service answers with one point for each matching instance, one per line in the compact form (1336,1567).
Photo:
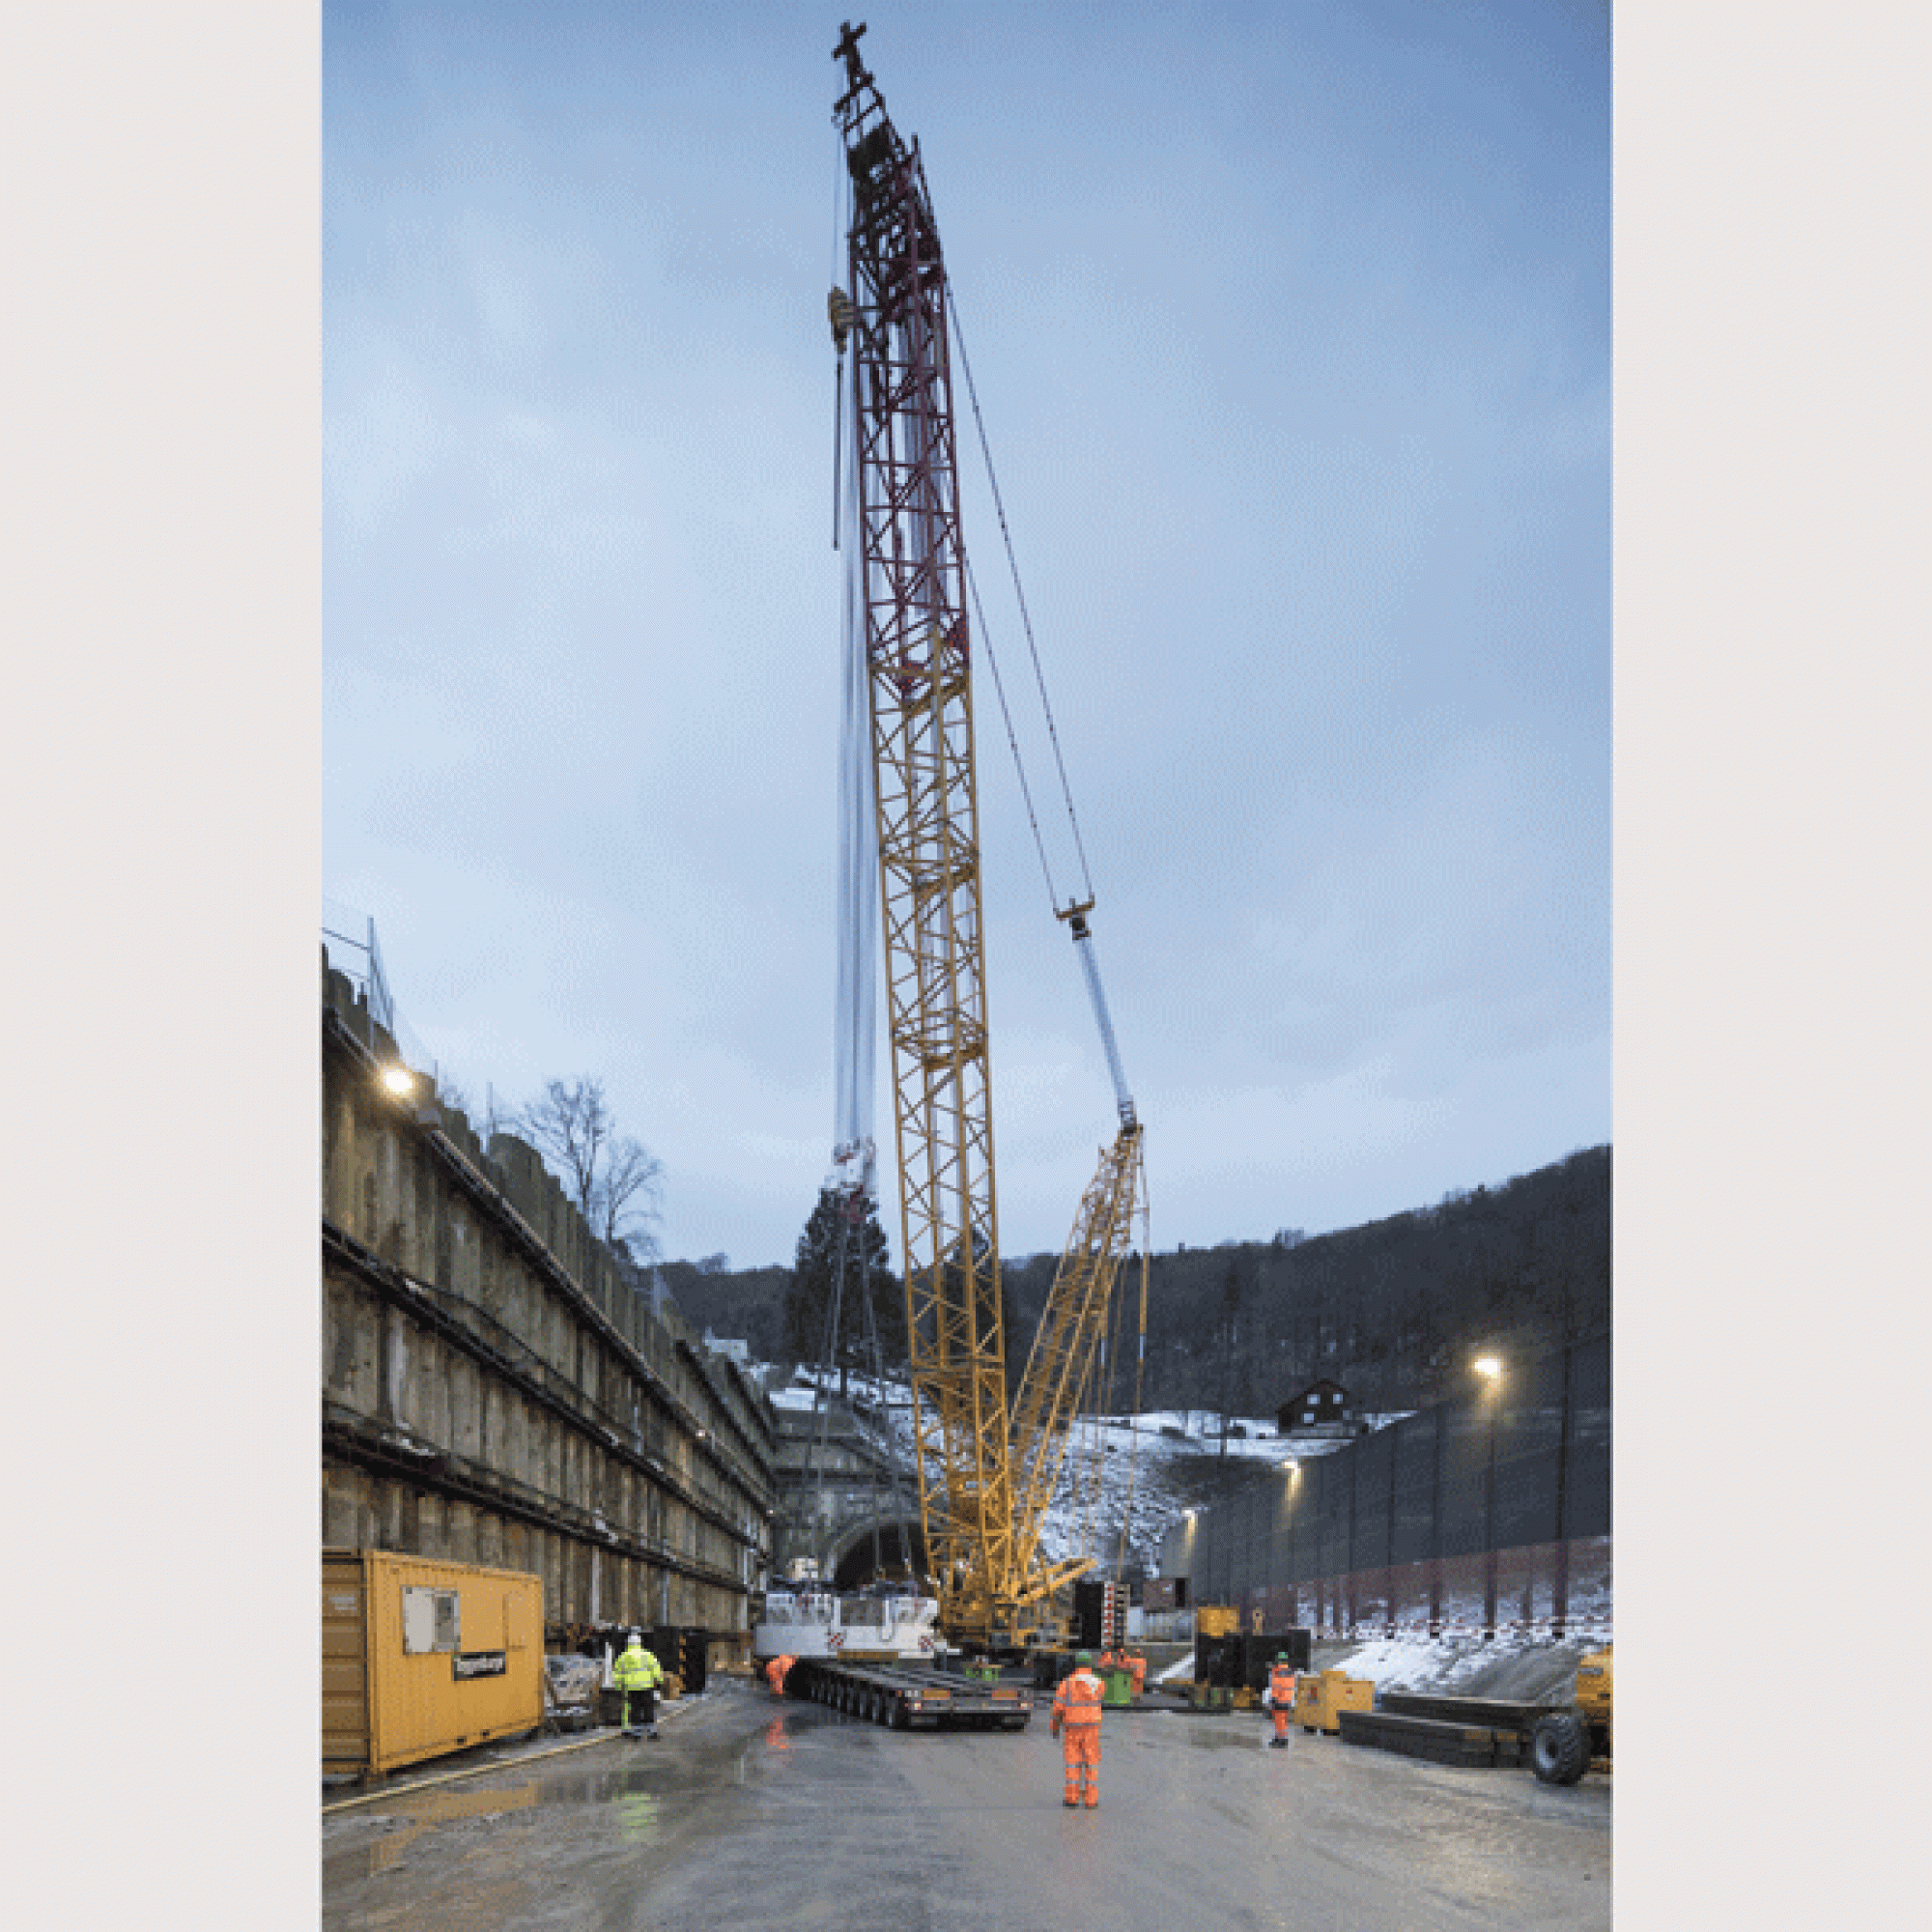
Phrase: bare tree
(625,1198)
(614,1177)
(571,1122)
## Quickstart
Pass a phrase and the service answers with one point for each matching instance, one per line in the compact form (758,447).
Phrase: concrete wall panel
(432,1440)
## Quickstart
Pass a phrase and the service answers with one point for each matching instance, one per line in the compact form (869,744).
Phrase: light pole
(1491,1369)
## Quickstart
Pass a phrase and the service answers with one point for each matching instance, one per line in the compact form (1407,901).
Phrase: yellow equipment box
(1216,1620)
(1319,1700)
(421,1657)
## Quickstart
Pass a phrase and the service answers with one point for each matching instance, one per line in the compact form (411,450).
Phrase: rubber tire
(1559,1747)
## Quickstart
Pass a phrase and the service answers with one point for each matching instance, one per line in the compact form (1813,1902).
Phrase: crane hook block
(840,306)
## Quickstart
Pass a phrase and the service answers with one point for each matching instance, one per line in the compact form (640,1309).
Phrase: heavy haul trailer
(909,1699)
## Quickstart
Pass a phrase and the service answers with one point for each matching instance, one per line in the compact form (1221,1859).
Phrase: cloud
(1293,349)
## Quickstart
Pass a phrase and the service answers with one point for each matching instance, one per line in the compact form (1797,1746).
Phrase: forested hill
(1392,1310)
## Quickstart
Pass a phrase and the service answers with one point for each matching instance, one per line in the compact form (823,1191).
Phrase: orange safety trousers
(1076,1717)
(1081,1745)
(1281,1687)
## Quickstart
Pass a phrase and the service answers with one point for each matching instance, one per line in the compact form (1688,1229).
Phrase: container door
(345,1675)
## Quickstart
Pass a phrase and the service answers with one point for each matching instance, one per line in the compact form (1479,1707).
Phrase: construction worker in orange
(1076,1723)
(1137,1663)
(1279,1697)
(776,1672)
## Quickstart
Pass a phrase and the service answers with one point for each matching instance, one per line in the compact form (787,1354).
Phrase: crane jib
(985,1465)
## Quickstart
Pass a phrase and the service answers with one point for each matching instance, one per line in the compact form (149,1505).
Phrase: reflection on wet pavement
(439,1807)
(751,1818)
(1200,1737)
(637,1817)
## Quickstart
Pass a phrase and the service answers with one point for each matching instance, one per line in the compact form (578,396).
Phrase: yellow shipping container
(421,1657)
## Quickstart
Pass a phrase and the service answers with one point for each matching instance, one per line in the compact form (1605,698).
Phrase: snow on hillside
(1154,1467)
(1140,1472)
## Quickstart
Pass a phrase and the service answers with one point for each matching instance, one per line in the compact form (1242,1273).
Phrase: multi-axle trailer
(909,1698)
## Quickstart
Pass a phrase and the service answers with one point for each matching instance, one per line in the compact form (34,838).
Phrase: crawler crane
(986,1468)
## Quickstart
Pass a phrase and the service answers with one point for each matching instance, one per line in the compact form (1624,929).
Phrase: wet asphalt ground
(749,1814)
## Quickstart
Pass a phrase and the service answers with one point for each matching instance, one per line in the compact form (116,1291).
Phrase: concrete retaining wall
(494,1390)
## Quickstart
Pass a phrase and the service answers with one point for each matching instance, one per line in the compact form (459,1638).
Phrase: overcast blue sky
(1292,330)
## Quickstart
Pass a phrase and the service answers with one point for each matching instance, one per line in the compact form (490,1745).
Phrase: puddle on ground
(441,1807)
(1198,1738)
(638,1818)
(602,1787)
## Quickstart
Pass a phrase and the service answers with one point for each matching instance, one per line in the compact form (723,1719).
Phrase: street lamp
(1491,1369)
(399,1080)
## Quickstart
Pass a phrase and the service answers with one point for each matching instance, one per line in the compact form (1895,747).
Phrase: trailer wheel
(1559,1747)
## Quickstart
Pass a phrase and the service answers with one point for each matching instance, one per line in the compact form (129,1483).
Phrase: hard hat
(1281,1656)
(637,1636)
(1082,1657)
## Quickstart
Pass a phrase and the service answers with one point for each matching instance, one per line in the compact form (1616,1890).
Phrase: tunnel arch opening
(877,1552)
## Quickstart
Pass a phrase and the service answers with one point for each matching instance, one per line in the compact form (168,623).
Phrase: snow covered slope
(1122,1476)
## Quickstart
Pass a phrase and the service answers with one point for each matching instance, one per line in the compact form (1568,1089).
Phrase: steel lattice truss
(920,670)
(1072,1326)
(985,1473)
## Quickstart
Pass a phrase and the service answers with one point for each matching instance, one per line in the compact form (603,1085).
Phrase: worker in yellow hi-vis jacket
(638,1674)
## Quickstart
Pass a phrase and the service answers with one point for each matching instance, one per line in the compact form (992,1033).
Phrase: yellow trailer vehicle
(421,1657)
(1566,1744)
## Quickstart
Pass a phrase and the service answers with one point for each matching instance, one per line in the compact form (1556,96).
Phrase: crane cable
(840,201)
(1019,766)
(1026,621)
